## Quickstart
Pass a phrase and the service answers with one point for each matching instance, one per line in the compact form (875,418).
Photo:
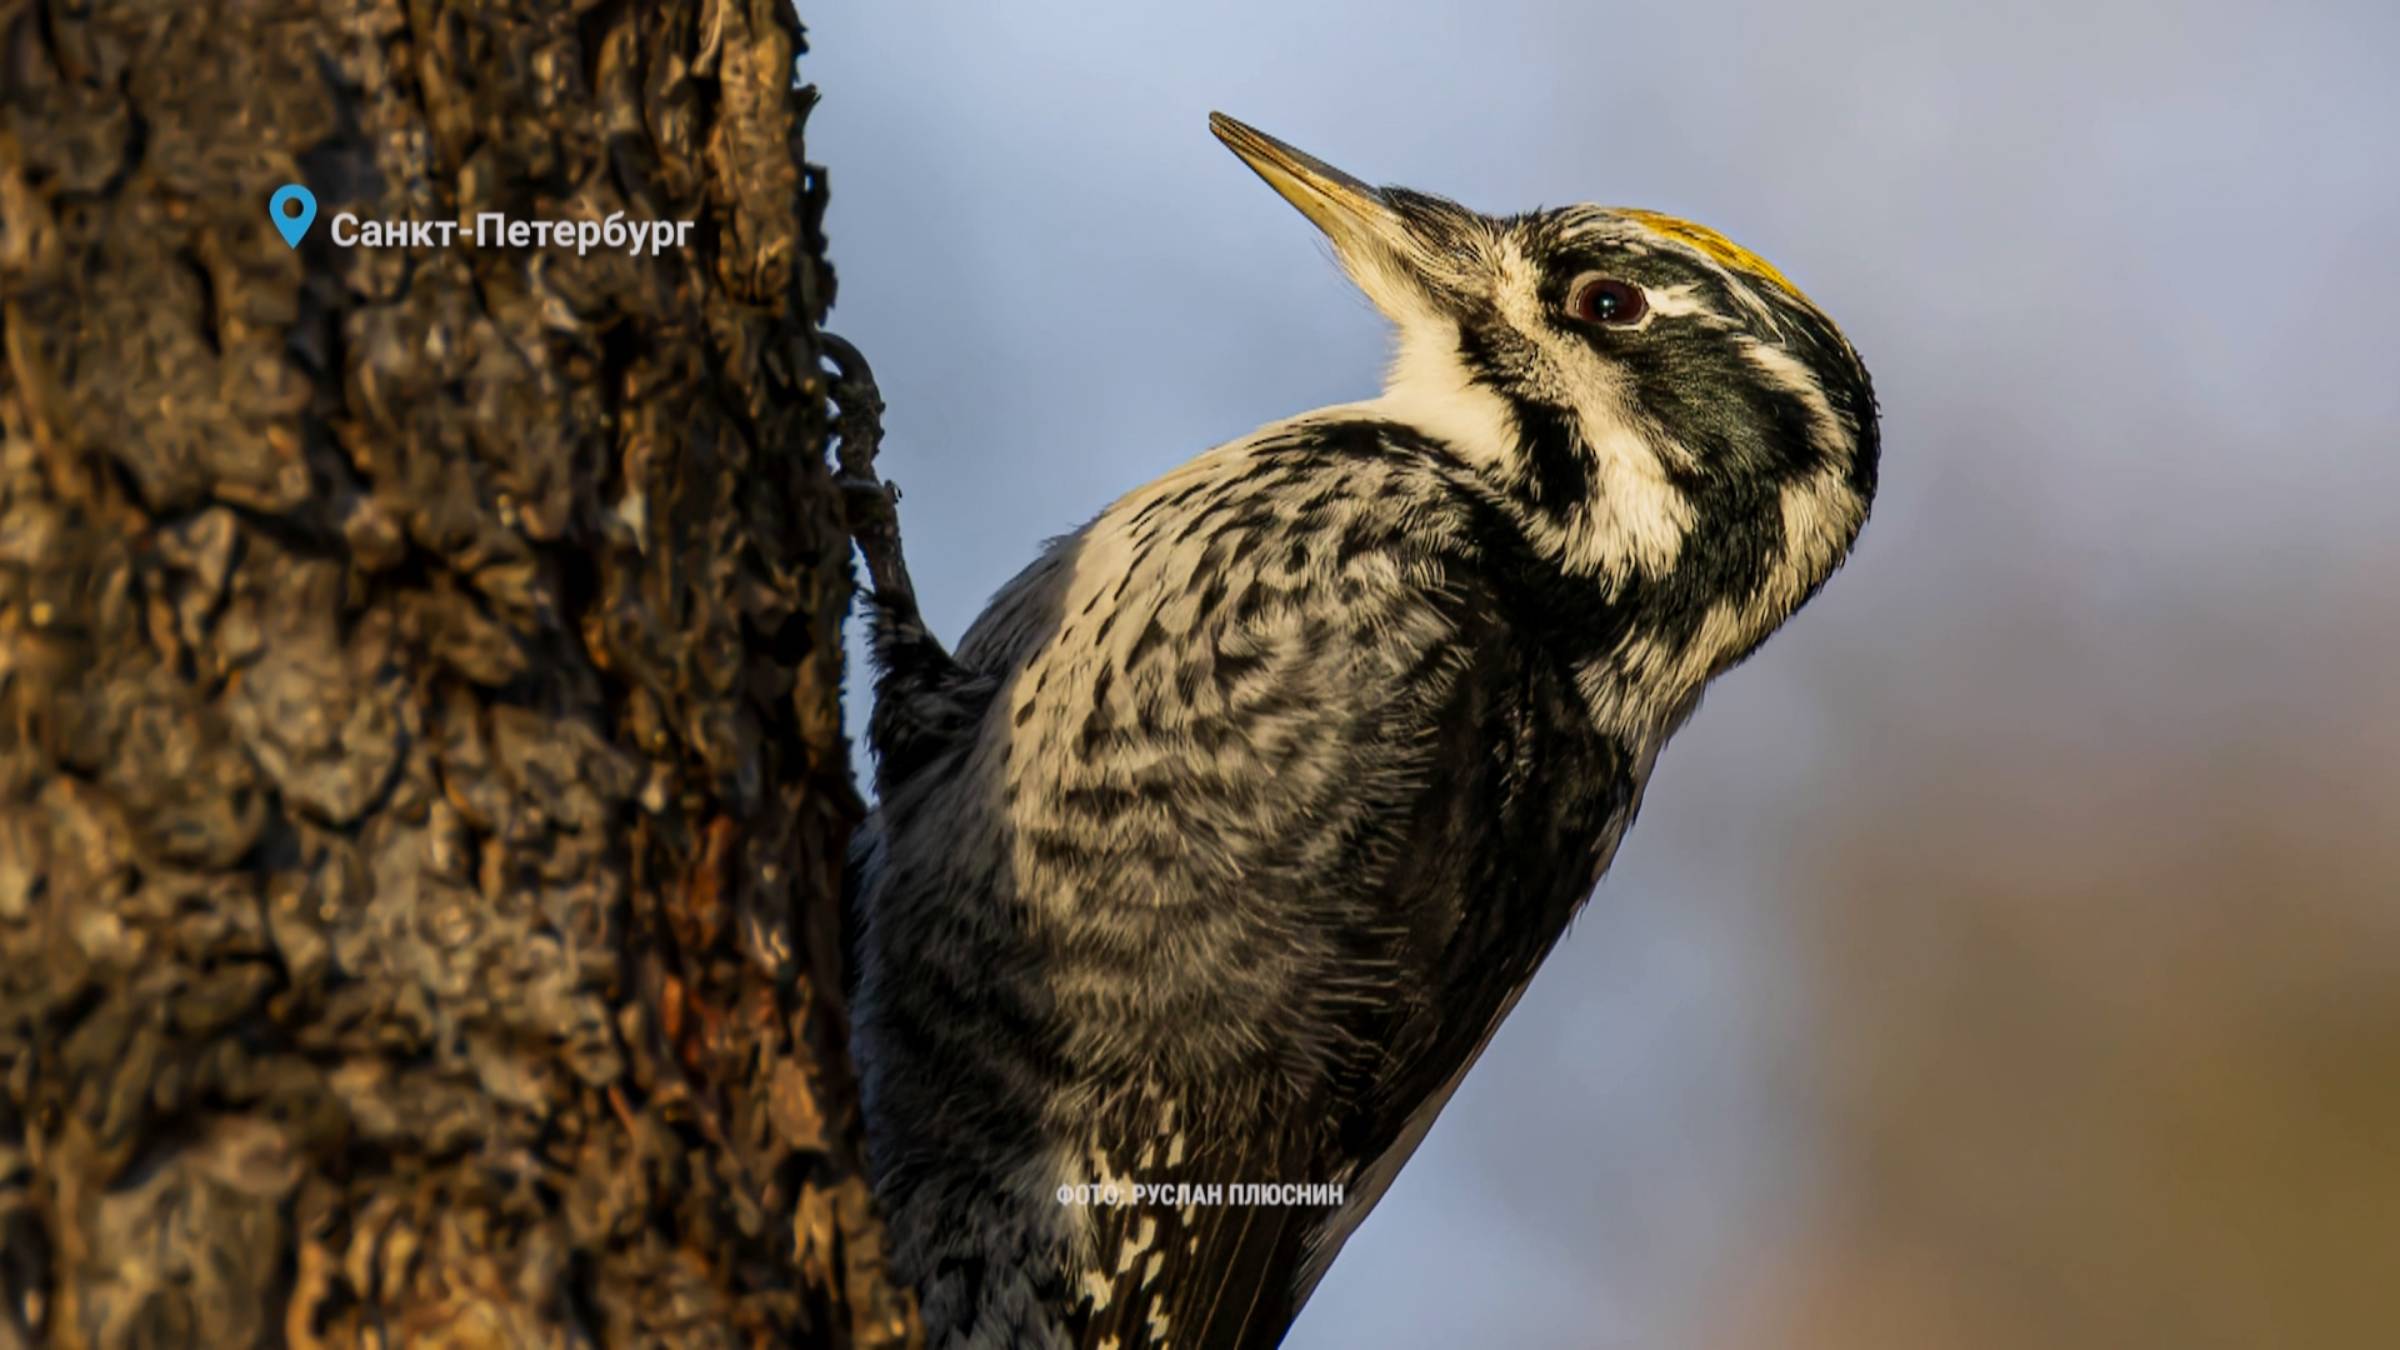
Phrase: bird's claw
(870,505)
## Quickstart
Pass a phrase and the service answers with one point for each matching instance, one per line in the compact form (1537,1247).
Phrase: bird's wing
(1299,804)
(1494,864)
(1470,887)
(1196,1269)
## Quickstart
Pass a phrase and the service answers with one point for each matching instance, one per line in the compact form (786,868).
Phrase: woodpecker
(1211,860)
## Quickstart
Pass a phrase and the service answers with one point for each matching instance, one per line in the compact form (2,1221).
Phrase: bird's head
(1669,414)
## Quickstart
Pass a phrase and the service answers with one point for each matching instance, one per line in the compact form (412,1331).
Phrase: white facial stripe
(1746,295)
(1637,518)
(1821,515)
(1789,375)
(1638,687)
(1674,302)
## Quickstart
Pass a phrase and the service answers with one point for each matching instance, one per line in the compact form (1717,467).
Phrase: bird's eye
(1607,300)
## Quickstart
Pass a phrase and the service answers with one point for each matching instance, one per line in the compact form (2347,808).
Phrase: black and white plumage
(1240,818)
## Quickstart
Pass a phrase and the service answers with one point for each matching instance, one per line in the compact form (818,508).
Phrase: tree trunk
(422,780)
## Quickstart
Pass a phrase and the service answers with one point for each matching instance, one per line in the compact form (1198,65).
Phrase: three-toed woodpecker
(1239,820)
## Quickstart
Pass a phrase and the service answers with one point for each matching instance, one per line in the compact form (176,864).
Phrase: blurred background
(2009,954)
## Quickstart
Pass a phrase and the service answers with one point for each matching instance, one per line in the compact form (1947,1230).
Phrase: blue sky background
(2064,807)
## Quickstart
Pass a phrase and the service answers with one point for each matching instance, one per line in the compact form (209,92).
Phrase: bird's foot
(870,505)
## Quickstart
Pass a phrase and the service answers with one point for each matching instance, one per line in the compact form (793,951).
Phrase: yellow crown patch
(1716,246)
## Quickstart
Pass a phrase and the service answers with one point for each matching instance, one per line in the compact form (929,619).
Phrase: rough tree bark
(422,783)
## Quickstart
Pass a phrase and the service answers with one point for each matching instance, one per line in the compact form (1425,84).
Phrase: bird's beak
(1349,212)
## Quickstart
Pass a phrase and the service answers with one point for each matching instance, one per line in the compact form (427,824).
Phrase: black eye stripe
(1654,272)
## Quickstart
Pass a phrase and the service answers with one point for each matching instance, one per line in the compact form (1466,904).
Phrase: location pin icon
(293,208)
